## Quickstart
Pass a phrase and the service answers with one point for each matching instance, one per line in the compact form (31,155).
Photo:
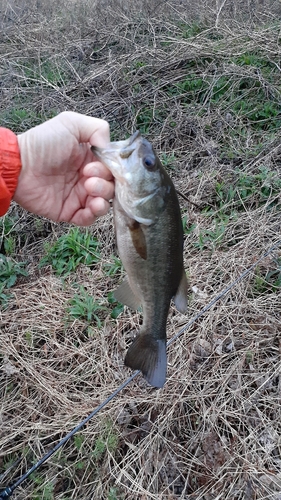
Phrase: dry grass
(214,430)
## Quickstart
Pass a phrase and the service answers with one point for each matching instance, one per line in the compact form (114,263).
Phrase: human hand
(60,178)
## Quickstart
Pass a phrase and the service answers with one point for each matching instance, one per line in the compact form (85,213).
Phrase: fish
(149,235)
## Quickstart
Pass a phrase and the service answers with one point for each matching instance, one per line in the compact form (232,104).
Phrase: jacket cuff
(10,166)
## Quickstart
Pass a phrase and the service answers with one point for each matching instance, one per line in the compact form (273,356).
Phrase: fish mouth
(133,137)
(124,148)
(115,153)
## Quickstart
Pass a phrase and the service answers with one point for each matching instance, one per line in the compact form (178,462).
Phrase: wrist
(10,166)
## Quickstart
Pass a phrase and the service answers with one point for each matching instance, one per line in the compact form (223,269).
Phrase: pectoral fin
(125,295)
(148,355)
(180,299)
(138,238)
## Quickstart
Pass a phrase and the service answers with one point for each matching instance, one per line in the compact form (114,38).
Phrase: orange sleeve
(10,166)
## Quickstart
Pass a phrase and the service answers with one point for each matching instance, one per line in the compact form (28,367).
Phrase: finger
(87,216)
(99,206)
(83,217)
(97,187)
(97,169)
(86,128)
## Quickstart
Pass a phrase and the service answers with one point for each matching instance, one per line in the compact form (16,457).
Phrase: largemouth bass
(150,243)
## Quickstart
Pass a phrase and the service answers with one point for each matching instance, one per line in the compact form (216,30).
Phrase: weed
(168,160)
(187,229)
(44,490)
(78,441)
(190,30)
(249,357)
(139,64)
(263,114)
(263,185)
(260,284)
(51,72)
(83,306)
(107,441)
(18,118)
(29,338)
(9,272)
(211,237)
(114,267)
(45,71)
(118,308)
(70,250)
(100,447)
(80,465)
(48,491)
(220,87)
(246,190)
(233,196)
(147,117)
(112,495)
(9,245)
(274,276)
(193,88)
(269,282)
(4,297)
(7,238)
(253,59)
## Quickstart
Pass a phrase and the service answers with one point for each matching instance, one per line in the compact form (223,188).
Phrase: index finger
(97,169)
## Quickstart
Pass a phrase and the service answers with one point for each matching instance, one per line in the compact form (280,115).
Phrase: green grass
(10,270)
(8,234)
(78,441)
(42,490)
(85,307)
(245,97)
(249,190)
(168,160)
(108,441)
(147,118)
(212,238)
(267,282)
(20,118)
(114,267)
(113,494)
(236,194)
(71,250)
(117,307)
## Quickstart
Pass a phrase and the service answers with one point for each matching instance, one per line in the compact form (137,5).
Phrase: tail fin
(148,355)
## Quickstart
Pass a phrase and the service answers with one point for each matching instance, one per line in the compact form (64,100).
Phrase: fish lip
(122,146)
(133,137)
(116,147)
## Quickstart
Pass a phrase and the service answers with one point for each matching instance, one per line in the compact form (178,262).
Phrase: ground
(202,83)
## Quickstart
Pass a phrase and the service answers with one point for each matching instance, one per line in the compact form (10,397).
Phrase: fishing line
(9,490)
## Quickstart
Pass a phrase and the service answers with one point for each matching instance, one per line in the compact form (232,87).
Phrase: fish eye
(149,162)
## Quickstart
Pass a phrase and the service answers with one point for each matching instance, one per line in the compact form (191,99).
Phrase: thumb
(86,128)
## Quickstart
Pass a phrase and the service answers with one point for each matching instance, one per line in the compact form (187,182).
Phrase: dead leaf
(8,367)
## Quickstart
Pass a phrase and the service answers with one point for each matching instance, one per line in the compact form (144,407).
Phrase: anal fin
(148,355)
